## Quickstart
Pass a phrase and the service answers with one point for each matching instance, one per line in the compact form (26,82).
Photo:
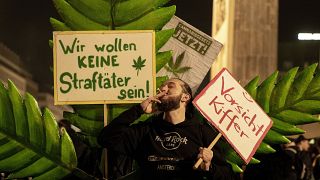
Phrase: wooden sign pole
(197,164)
(105,154)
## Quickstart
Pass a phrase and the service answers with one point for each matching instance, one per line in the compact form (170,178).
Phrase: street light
(312,37)
(309,36)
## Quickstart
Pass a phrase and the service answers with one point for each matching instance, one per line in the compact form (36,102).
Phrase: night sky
(25,27)
(298,16)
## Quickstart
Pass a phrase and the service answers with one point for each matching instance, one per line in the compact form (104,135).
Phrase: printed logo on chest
(171,140)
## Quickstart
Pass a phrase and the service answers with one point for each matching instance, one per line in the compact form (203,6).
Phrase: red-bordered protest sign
(231,110)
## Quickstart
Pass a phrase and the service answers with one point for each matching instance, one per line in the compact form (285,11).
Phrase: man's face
(173,94)
(169,103)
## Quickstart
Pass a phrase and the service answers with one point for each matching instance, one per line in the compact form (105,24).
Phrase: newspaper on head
(193,53)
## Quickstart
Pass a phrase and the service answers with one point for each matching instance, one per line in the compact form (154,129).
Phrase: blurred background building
(13,68)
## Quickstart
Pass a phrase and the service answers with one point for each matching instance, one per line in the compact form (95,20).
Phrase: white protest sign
(229,108)
(103,67)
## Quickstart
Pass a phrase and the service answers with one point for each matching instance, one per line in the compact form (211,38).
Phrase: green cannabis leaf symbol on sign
(139,64)
(175,67)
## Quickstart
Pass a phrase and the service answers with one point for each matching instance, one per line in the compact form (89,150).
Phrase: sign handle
(104,153)
(197,164)
(105,114)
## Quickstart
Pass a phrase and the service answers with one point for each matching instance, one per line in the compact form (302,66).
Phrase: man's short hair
(185,87)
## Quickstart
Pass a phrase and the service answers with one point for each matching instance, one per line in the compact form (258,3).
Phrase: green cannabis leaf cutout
(45,148)
(175,67)
(139,64)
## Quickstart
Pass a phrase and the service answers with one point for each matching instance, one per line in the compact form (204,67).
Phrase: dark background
(25,29)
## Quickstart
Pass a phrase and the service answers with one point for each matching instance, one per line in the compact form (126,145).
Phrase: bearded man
(168,145)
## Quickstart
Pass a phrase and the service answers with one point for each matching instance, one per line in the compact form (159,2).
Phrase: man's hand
(147,105)
(206,154)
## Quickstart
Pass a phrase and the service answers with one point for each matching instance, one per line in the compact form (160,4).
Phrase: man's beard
(170,103)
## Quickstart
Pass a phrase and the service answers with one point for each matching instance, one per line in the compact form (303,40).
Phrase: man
(290,151)
(316,161)
(87,157)
(303,159)
(167,146)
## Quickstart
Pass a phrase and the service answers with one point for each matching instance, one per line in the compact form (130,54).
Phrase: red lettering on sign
(215,107)
(231,119)
(222,92)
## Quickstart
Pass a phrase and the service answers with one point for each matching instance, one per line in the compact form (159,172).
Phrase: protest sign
(230,109)
(195,49)
(103,67)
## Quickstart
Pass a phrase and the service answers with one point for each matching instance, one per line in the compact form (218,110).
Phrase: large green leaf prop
(30,142)
(291,100)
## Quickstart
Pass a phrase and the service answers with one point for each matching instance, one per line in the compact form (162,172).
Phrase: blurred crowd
(297,160)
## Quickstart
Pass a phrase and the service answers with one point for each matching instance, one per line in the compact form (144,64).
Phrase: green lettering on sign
(69,49)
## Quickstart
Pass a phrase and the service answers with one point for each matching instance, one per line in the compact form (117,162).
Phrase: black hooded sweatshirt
(164,150)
